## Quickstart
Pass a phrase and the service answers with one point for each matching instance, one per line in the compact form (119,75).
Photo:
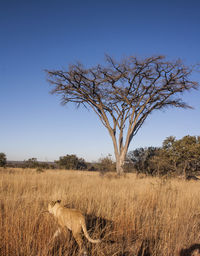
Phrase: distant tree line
(174,157)
(31,163)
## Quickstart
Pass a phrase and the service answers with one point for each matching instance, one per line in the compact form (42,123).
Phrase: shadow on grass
(193,250)
(100,226)
(104,227)
(144,249)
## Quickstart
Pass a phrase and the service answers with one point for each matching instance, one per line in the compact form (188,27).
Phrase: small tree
(160,163)
(31,163)
(71,162)
(170,153)
(141,159)
(106,164)
(187,153)
(123,94)
(179,156)
(3,160)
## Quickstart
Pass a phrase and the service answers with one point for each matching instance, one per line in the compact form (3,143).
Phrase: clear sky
(48,34)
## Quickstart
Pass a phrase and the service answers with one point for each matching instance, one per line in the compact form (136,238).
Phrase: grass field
(133,216)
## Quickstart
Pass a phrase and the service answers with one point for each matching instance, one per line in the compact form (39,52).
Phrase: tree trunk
(120,164)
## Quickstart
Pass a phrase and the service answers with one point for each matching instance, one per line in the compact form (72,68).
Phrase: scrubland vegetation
(133,215)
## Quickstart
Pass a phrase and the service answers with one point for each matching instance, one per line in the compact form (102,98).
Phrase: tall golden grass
(161,215)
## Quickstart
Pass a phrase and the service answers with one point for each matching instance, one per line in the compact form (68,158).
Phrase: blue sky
(40,34)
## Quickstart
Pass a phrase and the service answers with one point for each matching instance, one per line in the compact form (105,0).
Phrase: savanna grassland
(132,215)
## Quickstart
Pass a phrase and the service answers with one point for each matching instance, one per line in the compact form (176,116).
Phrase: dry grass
(163,216)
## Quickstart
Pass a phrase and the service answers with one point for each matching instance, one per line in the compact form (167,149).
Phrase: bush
(39,170)
(71,162)
(3,160)
(106,164)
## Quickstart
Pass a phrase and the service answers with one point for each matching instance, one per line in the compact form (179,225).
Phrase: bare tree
(124,93)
